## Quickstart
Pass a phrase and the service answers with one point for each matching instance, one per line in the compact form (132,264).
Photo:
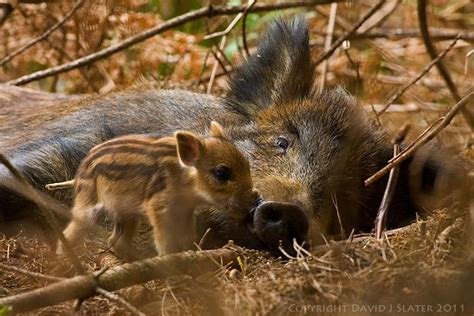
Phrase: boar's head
(310,152)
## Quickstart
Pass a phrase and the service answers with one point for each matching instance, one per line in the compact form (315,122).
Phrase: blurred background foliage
(372,69)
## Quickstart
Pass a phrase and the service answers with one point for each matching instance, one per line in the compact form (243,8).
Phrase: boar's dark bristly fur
(309,153)
(274,73)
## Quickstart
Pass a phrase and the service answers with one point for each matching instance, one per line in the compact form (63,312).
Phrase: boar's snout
(277,221)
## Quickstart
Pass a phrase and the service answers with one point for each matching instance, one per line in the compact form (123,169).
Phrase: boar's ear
(189,147)
(216,130)
(280,71)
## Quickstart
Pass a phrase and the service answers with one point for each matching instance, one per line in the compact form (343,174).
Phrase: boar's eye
(282,143)
(222,173)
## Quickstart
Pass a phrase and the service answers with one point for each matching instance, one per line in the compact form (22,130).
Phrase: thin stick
(251,3)
(32,274)
(60,185)
(418,77)
(215,66)
(327,43)
(381,220)
(356,66)
(221,46)
(203,68)
(443,70)
(47,208)
(228,29)
(340,40)
(117,299)
(404,155)
(208,11)
(399,33)
(426,131)
(84,286)
(203,238)
(43,36)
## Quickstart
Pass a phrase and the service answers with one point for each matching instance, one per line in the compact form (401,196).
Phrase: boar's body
(309,150)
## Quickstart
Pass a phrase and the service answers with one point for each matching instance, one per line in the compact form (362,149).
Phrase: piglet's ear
(216,130)
(189,147)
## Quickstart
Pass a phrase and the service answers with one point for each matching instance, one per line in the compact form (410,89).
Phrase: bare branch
(340,40)
(244,25)
(193,263)
(327,43)
(60,185)
(415,79)
(43,36)
(421,141)
(208,11)
(382,213)
(468,115)
(115,298)
(400,33)
(216,64)
(32,274)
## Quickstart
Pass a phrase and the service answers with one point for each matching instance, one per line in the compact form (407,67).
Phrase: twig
(203,238)
(43,36)
(208,11)
(84,286)
(32,274)
(418,77)
(60,185)
(203,68)
(430,135)
(218,74)
(381,220)
(357,69)
(468,115)
(222,43)
(339,219)
(215,66)
(117,299)
(244,25)
(224,57)
(229,27)
(468,57)
(327,43)
(46,204)
(436,33)
(381,16)
(426,131)
(340,40)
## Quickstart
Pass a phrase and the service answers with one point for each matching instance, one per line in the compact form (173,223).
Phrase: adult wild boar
(309,152)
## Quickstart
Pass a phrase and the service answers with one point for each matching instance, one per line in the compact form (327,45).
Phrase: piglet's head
(221,171)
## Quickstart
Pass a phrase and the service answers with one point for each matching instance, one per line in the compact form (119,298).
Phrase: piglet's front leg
(173,227)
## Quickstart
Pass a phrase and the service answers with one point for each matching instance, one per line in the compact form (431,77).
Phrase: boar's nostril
(278,223)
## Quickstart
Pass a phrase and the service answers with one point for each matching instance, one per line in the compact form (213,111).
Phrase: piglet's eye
(282,143)
(222,173)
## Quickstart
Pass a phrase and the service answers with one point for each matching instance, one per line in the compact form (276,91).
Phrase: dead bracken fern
(428,263)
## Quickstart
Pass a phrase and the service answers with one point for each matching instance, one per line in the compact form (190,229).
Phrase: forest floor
(427,266)
(419,268)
